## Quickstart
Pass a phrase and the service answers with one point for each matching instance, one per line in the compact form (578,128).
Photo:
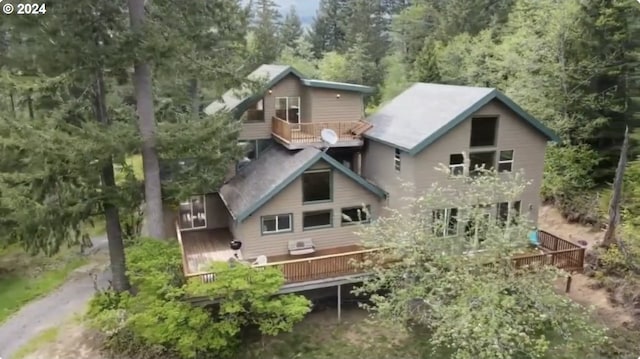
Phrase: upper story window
(316,186)
(483,131)
(478,160)
(255,113)
(277,223)
(456,164)
(396,160)
(505,161)
(288,109)
(193,213)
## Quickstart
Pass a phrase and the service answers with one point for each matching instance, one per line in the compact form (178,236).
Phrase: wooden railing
(310,132)
(557,252)
(322,267)
(185,268)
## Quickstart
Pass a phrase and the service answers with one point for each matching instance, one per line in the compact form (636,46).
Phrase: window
(483,131)
(445,222)
(276,224)
(504,211)
(255,113)
(288,109)
(396,160)
(193,213)
(316,186)
(505,161)
(355,215)
(477,227)
(253,149)
(456,164)
(317,219)
(478,160)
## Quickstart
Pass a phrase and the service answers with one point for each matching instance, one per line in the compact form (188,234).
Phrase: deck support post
(567,289)
(339,302)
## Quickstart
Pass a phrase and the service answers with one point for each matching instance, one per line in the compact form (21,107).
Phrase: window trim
(353,223)
(458,165)
(447,218)
(495,133)
(263,117)
(324,226)
(397,161)
(204,205)
(510,162)
(289,230)
(510,209)
(330,186)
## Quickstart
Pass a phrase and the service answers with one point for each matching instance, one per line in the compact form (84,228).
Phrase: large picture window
(483,131)
(277,224)
(193,213)
(316,186)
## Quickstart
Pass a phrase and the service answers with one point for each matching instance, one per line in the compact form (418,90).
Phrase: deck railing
(310,132)
(568,256)
(557,252)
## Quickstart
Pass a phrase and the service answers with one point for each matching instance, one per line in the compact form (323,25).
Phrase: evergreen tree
(291,29)
(425,67)
(266,26)
(328,29)
(366,25)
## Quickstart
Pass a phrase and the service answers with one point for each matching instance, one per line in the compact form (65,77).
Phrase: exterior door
(288,109)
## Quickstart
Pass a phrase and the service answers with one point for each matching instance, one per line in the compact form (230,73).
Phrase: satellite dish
(329,136)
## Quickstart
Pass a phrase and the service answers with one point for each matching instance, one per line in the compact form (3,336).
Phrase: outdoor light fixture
(337,95)
(270,91)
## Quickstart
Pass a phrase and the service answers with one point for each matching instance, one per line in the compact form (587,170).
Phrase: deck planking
(202,247)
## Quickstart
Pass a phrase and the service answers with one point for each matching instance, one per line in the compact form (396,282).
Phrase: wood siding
(513,134)
(346,193)
(325,106)
(290,86)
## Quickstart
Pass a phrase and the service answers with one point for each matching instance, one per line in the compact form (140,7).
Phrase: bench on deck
(298,247)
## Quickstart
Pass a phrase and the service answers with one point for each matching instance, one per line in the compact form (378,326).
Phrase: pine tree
(266,26)
(327,31)
(425,67)
(291,29)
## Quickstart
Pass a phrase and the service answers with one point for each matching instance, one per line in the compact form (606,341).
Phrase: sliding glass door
(288,109)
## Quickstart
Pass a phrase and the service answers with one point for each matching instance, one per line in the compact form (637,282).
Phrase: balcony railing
(308,133)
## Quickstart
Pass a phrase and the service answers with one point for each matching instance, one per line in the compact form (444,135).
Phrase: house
(295,201)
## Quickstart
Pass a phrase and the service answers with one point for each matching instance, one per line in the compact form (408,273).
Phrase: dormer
(294,110)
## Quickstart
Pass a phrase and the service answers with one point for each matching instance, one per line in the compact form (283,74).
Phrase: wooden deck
(298,135)
(202,247)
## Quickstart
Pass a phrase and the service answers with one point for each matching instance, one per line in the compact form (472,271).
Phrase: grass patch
(98,228)
(44,337)
(24,277)
(16,290)
(135,163)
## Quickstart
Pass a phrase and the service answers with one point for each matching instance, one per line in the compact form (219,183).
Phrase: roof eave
(339,86)
(349,173)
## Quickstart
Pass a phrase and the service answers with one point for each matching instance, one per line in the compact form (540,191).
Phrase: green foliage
(301,58)
(568,171)
(157,317)
(425,67)
(291,29)
(465,304)
(267,44)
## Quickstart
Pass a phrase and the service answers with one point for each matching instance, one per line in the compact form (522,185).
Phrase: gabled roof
(425,112)
(239,99)
(262,179)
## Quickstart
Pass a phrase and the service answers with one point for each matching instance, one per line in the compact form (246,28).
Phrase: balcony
(300,135)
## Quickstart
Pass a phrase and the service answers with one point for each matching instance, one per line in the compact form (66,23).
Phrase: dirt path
(58,307)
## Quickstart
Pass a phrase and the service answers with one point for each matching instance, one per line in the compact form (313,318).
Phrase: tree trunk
(30,106)
(614,206)
(13,105)
(112,216)
(147,126)
(194,95)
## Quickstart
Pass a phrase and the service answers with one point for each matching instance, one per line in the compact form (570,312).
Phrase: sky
(306,8)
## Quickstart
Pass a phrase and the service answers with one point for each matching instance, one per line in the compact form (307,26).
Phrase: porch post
(339,302)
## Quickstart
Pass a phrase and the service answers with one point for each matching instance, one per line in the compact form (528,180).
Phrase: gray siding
(326,106)
(217,215)
(288,87)
(513,134)
(346,193)
(306,100)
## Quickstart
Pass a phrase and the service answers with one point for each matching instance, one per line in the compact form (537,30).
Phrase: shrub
(157,321)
